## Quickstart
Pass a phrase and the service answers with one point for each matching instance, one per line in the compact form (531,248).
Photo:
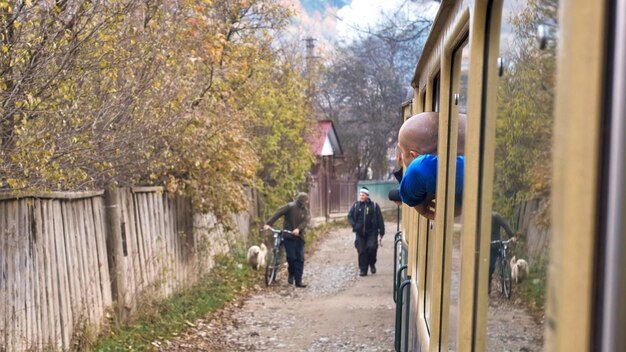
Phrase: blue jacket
(420,179)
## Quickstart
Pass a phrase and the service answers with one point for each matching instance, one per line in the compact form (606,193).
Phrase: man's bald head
(418,135)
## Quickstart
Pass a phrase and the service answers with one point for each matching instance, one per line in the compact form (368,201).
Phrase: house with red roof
(328,194)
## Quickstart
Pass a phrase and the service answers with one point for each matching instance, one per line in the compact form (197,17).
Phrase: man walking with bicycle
(367,224)
(296,219)
(497,223)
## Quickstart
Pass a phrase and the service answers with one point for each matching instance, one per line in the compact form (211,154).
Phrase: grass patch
(165,319)
(533,289)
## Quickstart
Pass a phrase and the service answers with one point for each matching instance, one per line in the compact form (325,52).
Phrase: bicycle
(504,267)
(274,261)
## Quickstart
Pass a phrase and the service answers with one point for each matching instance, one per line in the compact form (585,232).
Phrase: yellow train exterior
(542,85)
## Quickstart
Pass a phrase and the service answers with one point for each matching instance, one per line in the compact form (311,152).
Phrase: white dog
(519,269)
(256,256)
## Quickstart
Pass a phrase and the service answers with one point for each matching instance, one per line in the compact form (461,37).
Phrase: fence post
(117,266)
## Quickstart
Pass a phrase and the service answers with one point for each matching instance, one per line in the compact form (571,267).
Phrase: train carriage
(542,87)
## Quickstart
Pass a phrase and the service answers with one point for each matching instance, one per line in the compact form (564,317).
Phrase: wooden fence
(342,196)
(65,258)
(537,237)
(53,269)
(335,199)
(155,248)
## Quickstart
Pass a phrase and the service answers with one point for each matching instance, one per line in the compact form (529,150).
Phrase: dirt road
(339,311)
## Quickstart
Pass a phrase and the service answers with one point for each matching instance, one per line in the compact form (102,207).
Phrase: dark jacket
(497,223)
(296,214)
(366,219)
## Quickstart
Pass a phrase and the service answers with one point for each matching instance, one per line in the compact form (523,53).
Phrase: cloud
(368,13)
(317,22)
(330,23)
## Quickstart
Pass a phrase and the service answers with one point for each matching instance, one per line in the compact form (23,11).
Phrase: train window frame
(447,145)
(479,152)
(460,31)
(416,248)
(454,110)
(428,248)
(435,101)
(425,228)
(476,317)
(413,261)
(411,237)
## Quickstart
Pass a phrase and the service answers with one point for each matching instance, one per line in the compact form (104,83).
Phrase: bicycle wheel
(272,267)
(505,278)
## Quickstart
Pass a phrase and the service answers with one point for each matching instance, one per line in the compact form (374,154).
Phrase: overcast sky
(333,20)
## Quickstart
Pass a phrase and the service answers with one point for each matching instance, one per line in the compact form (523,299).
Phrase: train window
(428,269)
(430,230)
(452,239)
(436,86)
(416,249)
(522,178)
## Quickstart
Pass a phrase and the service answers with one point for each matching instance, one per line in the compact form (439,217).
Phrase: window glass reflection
(521,187)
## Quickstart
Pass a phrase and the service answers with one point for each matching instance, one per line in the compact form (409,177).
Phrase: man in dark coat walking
(367,224)
(296,219)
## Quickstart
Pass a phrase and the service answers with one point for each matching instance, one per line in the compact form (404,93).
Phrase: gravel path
(338,311)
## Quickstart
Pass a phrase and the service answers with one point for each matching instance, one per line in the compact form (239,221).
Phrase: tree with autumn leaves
(363,86)
(525,120)
(192,95)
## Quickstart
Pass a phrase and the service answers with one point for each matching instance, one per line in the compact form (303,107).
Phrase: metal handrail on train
(397,280)
(399,301)
(397,238)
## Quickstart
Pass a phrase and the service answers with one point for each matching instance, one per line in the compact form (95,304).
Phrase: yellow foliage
(129,92)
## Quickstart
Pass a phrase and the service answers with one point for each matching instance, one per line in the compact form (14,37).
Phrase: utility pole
(310,51)
(309,69)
